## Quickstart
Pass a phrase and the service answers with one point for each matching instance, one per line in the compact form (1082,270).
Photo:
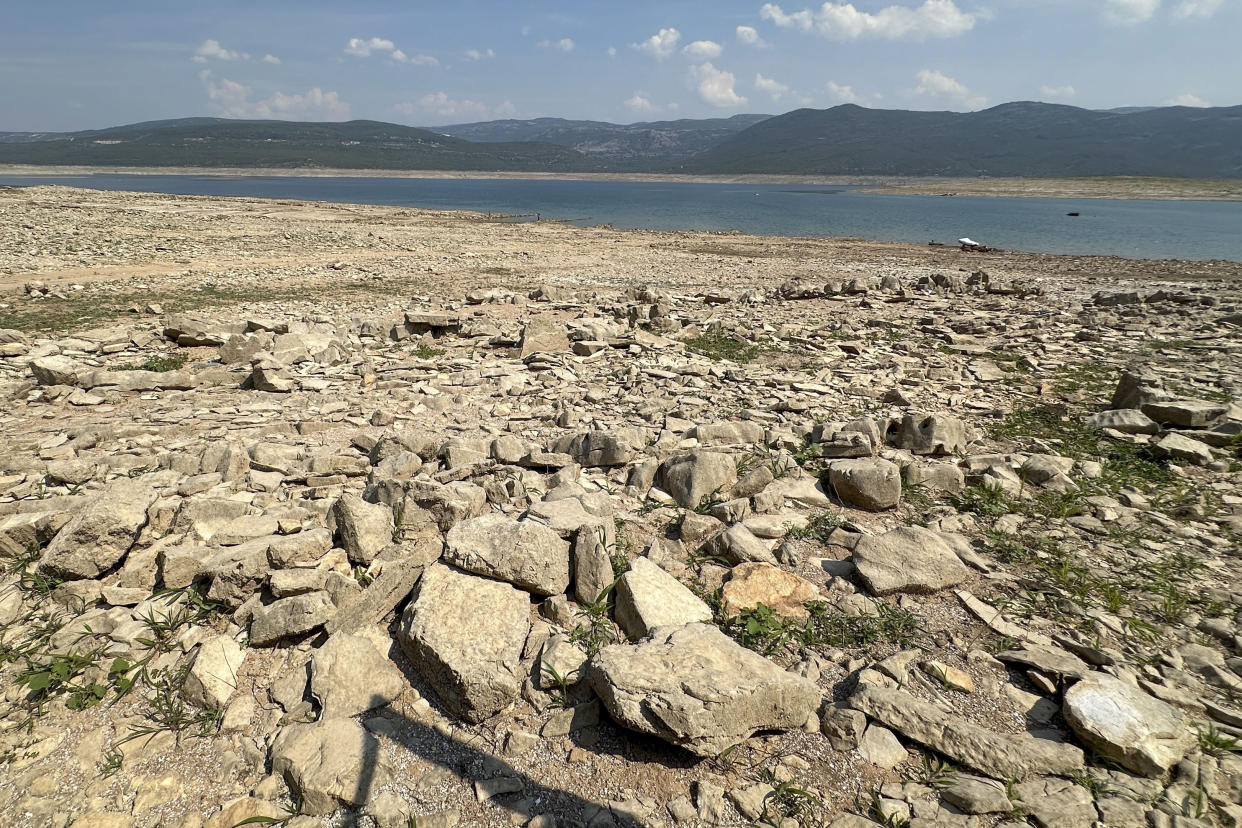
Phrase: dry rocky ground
(335,514)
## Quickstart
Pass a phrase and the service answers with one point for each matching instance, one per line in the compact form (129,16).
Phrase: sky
(83,64)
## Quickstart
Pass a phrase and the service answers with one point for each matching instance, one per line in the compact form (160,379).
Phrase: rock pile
(910,548)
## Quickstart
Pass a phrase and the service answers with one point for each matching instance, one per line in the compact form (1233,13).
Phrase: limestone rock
(544,336)
(932,434)
(648,597)
(99,536)
(349,677)
(288,617)
(364,528)
(330,763)
(1124,420)
(872,484)
(524,553)
(691,477)
(1124,724)
(998,755)
(695,687)
(464,634)
(751,584)
(213,675)
(908,559)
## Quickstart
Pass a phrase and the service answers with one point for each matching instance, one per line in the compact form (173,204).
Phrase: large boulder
(101,534)
(998,755)
(1124,420)
(1187,413)
(932,434)
(348,676)
(464,635)
(648,597)
(364,528)
(55,370)
(544,336)
(872,484)
(909,559)
(330,763)
(524,553)
(289,617)
(1137,387)
(689,478)
(695,687)
(1122,723)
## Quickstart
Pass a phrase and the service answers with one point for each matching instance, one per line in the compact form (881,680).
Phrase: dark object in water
(1071,214)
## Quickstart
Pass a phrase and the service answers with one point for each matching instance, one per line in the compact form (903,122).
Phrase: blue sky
(80,64)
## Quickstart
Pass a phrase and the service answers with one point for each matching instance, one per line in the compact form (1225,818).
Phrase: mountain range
(1022,139)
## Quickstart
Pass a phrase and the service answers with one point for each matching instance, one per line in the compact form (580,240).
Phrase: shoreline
(1122,187)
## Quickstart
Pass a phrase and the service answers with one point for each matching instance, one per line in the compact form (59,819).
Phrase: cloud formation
(716,86)
(1130,12)
(640,103)
(1187,99)
(479,54)
(443,105)
(1196,8)
(773,87)
(841,93)
(842,21)
(563,45)
(233,100)
(1066,91)
(269,58)
(364,47)
(935,84)
(702,49)
(660,45)
(749,35)
(211,49)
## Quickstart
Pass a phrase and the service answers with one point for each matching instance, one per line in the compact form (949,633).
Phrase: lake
(1130,228)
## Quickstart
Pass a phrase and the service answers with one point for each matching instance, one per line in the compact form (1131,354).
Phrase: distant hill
(220,142)
(1016,139)
(645,142)
(1025,140)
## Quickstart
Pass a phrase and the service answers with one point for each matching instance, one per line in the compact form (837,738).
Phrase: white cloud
(842,21)
(750,36)
(1196,8)
(232,99)
(562,45)
(773,87)
(716,86)
(843,94)
(212,49)
(359,47)
(640,103)
(271,59)
(1066,91)
(611,51)
(939,85)
(1129,12)
(702,49)
(414,60)
(443,105)
(479,54)
(660,45)
(363,48)
(1187,99)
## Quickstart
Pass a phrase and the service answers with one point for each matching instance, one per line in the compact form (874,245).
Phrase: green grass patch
(718,345)
(161,364)
(766,631)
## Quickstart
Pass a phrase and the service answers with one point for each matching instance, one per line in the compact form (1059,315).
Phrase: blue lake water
(1131,228)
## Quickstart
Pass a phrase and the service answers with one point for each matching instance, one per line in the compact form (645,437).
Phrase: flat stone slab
(464,635)
(695,687)
(998,755)
(1124,724)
